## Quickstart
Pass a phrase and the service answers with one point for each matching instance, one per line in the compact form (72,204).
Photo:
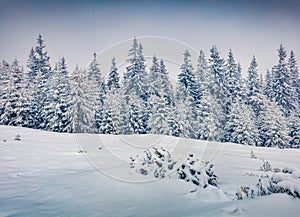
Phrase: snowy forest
(210,101)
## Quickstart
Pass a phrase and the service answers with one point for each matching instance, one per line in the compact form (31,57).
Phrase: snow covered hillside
(56,174)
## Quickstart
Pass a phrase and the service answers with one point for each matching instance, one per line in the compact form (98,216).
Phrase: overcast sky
(75,29)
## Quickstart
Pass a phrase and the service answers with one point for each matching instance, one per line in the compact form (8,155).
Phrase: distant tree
(294,129)
(83,120)
(202,68)
(273,130)
(217,87)
(113,77)
(38,78)
(159,120)
(233,81)
(154,78)
(166,86)
(16,106)
(4,85)
(137,119)
(187,97)
(268,90)
(136,89)
(62,117)
(135,77)
(240,127)
(282,87)
(253,91)
(98,88)
(295,80)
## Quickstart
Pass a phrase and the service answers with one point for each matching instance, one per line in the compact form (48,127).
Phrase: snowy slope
(50,174)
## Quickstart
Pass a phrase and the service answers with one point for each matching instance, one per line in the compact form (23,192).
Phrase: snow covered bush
(159,163)
(252,155)
(287,181)
(197,172)
(266,166)
(18,137)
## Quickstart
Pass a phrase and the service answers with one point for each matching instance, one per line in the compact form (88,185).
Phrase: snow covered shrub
(252,191)
(266,166)
(155,161)
(197,172)
(158,163)
(18,137)
(287,182)
(252,155)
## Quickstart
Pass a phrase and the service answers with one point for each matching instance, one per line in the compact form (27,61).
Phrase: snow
(45,174)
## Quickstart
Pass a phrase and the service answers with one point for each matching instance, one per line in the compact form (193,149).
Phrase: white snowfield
(50,174)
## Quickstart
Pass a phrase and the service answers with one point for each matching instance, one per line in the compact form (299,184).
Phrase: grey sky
(76,29)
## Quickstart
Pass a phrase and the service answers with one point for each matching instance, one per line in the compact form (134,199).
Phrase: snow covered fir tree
(209,101)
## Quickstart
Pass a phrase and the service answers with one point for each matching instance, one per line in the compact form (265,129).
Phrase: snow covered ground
(51,174)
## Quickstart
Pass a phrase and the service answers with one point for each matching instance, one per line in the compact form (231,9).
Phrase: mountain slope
(51,174)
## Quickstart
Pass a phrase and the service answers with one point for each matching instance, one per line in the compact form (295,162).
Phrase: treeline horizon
(210,101)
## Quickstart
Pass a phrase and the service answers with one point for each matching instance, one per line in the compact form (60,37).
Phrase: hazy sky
(75,29)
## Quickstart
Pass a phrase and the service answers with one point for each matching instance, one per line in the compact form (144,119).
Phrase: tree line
(210,101)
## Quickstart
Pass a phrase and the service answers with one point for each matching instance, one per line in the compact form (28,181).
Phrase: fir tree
(187,96)
(253,91)
(98,89)
(240,127)
(113,77)
(135,77)
(202,68)
(294,129)
(4,85)
(135,86)
(295,80)
(282,87)
(273,130)
(166,86)
(82,106)
(160,115)
(62,117)
(38,77)
(16,107)
(217,87)
(268,90)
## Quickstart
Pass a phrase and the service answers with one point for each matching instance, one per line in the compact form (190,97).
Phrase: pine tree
(294,129)
(38,78)
(253,91)
(187,97)
(160,115)
(82,104)
(113,77)
(111,122)
(135,77)
(282,87)
(186,78)
(202,68)
(217,88)
(240,127)
(268,90)
(166,86)
(233,79)
(295,80)
(62,117)
(16,108)
(4,85)
(209,118)
(135,87)
(273,130)
(136,122)
(154,78)
(98,89)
